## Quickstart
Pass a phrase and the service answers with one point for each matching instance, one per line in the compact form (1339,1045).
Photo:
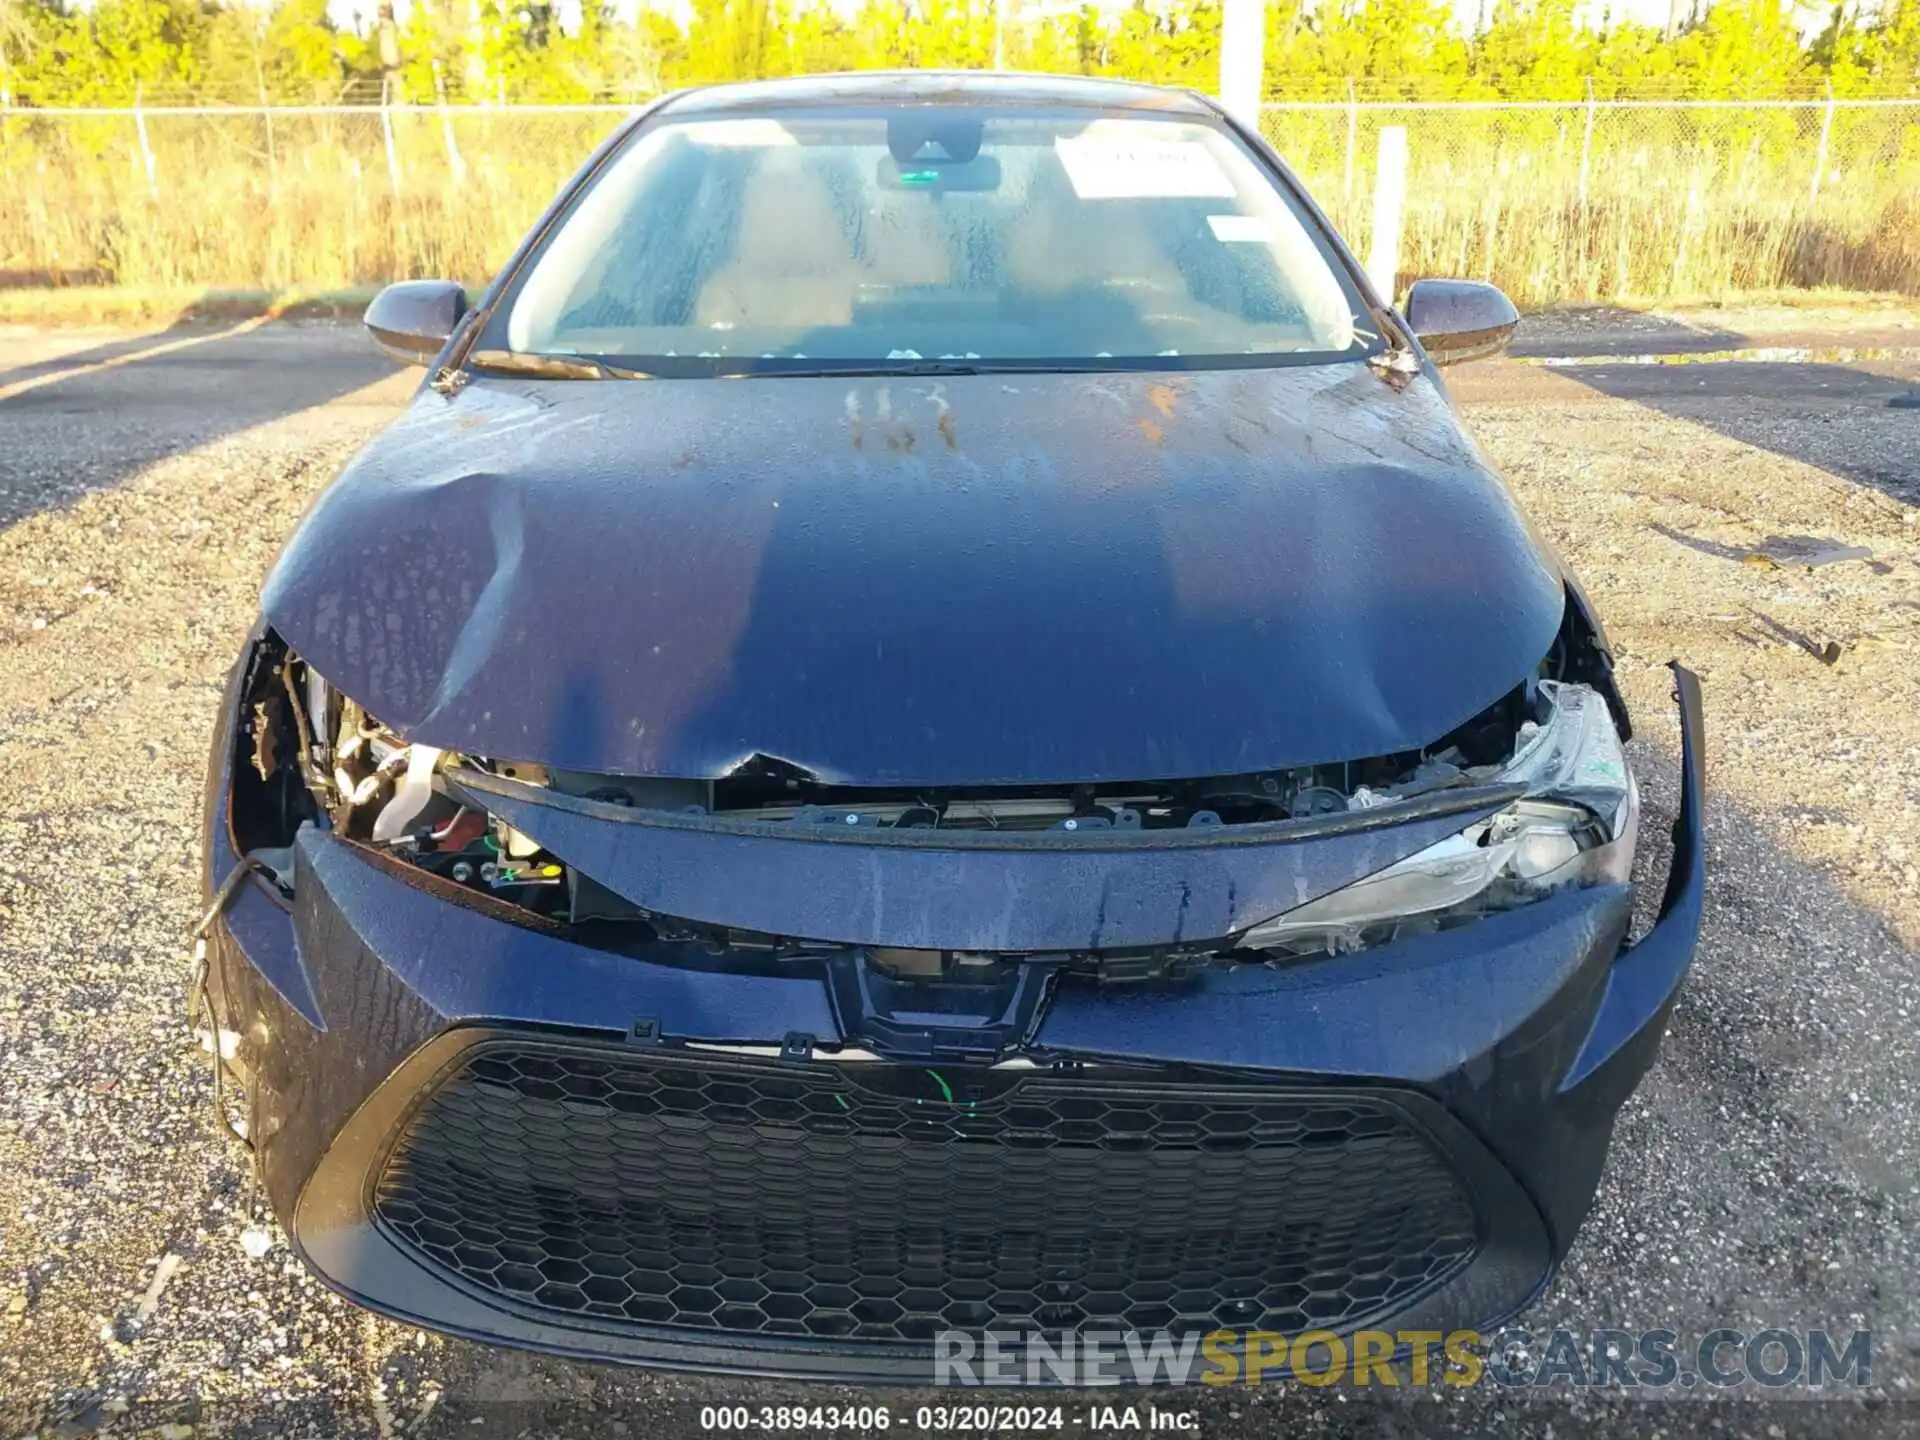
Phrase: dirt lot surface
(1767,1173)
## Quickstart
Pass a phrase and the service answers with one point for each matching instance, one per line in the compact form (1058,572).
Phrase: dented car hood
(1015,579)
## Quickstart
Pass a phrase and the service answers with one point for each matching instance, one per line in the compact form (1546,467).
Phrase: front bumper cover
(1510,1043)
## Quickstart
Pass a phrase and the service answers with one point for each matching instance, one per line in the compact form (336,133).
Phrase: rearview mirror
(410,321)
(1460,320)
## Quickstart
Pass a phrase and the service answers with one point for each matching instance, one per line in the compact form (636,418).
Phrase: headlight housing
(1577,826)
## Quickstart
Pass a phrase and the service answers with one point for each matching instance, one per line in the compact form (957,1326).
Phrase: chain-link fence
(1553,201)
(1582,201)
(316,196)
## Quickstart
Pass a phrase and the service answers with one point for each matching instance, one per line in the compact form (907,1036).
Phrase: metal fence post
(386,134)
(1243,60)
(140,130)
(1353,132)
(455,163)
(273,156)
(1586,147)
(1389,202)
(1686,235)
(1820,155)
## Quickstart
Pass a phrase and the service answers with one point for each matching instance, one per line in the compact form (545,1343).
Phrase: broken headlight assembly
(1576,826)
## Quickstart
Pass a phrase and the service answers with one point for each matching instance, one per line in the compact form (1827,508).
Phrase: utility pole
(476,48)
(389,48)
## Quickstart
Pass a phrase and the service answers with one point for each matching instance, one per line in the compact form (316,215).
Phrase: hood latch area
(938,1005)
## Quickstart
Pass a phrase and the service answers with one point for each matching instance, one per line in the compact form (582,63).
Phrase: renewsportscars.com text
(1722,1359)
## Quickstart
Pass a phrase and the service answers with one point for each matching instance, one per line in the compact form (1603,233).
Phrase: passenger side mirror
(410,321)
(1459,320)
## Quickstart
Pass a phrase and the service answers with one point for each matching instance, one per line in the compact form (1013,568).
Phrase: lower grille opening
(886,1203)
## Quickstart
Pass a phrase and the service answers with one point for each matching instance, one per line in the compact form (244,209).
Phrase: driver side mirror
(1460,320)
(410,321)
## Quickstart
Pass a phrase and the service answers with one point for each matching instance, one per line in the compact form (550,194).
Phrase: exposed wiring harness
(309,770)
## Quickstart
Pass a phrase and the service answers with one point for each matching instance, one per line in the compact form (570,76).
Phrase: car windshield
(875,240)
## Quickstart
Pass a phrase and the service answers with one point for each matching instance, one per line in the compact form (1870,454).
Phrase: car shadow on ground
(54,359)
(161,392)
(1649,336)
(1842,418)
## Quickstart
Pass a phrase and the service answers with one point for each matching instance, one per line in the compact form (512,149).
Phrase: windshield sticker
(1114,169)
(1240,229)
(751,134)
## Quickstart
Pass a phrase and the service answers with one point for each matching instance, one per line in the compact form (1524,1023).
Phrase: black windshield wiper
(549,367)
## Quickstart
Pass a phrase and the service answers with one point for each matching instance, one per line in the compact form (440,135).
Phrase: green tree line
(112,52)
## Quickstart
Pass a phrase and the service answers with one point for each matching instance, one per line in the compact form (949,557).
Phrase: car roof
(934,87)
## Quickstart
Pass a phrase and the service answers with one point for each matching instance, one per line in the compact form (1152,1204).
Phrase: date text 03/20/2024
(940,1419)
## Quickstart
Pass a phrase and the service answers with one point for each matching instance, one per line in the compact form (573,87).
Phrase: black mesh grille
(886,1203)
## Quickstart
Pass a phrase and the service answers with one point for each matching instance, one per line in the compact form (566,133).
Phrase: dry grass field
(1555,203)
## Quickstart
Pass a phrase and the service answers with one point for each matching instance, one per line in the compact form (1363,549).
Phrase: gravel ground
(1765,1174)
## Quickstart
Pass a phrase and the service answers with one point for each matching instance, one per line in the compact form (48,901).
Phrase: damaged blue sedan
(929,724)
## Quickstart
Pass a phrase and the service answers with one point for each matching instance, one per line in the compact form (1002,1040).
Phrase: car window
(934,233)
